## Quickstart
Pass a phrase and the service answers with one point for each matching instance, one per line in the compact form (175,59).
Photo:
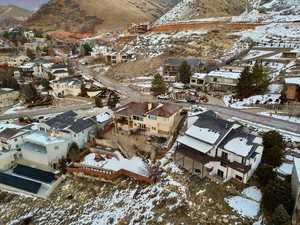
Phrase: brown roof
(9,132)
(156,109)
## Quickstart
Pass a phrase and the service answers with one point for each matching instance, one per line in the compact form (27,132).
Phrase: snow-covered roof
(204,134)
(297,167)
(103,117)
(195,144)
(199,75)
(225,74)
(292,80)
(43,138)
(238,146)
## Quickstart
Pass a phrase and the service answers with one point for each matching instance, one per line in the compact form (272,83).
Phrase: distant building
(113,58)
(296,190)
(292,88)
(34,46)
(8,97)
(15,61)
(66,87)
(159,119)
(171,66)
(219,149)
(224,79)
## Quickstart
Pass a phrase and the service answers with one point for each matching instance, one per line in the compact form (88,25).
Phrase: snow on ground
(230,101)
(14,109)
(179,11)
(243,206)
(135,164)
(154,44)
(285,169)
(273,31)
(253,193)
(281,117)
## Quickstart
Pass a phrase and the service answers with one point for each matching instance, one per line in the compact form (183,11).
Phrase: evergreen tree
(30,92)
(273,148)
(280,216)
(158,86)
(30,54)
(113,100)
(83,92)
(98,102)
(185,72)
(259,78)
(243,87)
(87,49)
(265,174)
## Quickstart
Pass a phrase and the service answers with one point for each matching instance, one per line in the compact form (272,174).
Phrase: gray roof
(74,81)
(69,121)
(58,66)
(60,71)
(213,122)
(9,133)
(178,62)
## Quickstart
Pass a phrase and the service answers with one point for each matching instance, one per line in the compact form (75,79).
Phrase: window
(224,155)
(139,118)
(152,117)
(200,81)
(193,81)
(238,177)
(56,147)
(198,171)
(215,79)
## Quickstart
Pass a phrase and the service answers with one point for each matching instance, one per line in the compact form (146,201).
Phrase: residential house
(44,149)
(113,58)
(34,46)
(70,126)
(171,66)
(29,35)
(100,50)
(58,71)
(219,149)
(8,97)
(224,79)
(159,119)
(198,80)
(12,138)
(296,190)
(18,60)
(292,88)
(66,87)
(6,160)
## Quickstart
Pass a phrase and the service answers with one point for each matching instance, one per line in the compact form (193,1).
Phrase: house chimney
(149,106)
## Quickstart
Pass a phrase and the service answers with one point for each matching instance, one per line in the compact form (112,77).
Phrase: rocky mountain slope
(96,15)
(195,9)
(11,15)
(286,7)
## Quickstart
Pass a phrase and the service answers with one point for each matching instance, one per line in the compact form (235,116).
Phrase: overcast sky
(28,4)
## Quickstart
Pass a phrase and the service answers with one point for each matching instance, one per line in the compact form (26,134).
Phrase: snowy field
(247,206)
(281,117)
(245,103)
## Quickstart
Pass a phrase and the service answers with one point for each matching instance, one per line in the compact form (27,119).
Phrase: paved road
(258,119)
(111,83)
(46,111)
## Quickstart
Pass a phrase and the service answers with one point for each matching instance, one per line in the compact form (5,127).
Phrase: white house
(70,126)
(296,190)
(43,148)
(66,87)
(214,147)
(12,138)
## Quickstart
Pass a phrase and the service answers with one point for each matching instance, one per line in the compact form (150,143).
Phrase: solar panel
(20,183)
(36,174)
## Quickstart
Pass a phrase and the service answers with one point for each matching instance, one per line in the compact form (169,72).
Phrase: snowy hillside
(283,7)
(181,10)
